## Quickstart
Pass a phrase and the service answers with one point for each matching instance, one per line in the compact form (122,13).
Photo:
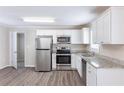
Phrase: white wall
(30,35)
(29,39)
(113,51)
(78,47)
(30,48)
(4,47)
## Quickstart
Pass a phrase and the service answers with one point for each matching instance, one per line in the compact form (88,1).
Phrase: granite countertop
(99,61)
(73,51)
(53,51)
(78,51)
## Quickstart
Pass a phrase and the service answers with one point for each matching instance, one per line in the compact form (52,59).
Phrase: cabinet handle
(89,71)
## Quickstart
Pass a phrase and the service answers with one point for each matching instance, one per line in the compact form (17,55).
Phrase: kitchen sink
(88,55)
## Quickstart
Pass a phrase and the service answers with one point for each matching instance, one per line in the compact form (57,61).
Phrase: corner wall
(4,47)
(114,51)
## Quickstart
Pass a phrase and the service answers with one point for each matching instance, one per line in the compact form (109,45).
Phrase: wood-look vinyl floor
(28,77)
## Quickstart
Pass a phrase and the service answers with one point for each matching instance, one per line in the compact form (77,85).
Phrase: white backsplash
(114,51)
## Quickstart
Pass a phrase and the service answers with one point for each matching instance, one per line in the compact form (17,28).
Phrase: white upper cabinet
(106,28)
(100,30)
(48,32)
(85,35)
(117,26)
(102,27)
(109,27)
(76,35)
(94,35)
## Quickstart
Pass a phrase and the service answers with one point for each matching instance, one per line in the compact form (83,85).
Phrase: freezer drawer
(43,60)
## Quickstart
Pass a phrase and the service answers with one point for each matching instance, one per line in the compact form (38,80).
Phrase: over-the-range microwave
(64,39)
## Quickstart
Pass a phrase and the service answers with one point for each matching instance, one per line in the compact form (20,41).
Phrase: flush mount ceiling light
(39,19)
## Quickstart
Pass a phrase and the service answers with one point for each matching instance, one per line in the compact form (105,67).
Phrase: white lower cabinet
(104,76)
(91,75)
(73,61)
(53,61)
(79,65)
(95,76)
(110,77)
(76,63)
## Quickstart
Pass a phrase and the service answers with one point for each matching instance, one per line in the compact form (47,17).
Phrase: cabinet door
(106,32)
(93,29)
(79,65)
(91,75)
(100,30)
(53,61)
(73,61)
(48,32)
(85,36)
(76,37)
(110,77)
(103,29)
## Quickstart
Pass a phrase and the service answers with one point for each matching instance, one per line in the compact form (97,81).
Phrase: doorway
(20,50)
(17,50)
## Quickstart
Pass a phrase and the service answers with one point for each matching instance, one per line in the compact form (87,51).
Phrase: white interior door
(13,45)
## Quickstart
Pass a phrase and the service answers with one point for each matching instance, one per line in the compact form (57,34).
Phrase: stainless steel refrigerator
(44,53)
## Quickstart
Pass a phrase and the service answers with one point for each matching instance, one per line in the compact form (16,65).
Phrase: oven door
(63,59)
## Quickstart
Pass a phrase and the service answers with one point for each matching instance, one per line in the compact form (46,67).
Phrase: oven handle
(63,54)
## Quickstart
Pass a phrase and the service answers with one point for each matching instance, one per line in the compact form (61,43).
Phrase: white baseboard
(5,66)
(10,65)
(29,65)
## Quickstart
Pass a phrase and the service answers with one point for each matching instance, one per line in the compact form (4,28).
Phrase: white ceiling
(73,16)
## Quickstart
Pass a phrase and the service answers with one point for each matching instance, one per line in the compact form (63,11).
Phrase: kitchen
(94,51)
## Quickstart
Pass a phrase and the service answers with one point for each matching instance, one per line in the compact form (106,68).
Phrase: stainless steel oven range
(63,57)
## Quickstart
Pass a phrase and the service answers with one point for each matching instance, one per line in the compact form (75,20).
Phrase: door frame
(16,45)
